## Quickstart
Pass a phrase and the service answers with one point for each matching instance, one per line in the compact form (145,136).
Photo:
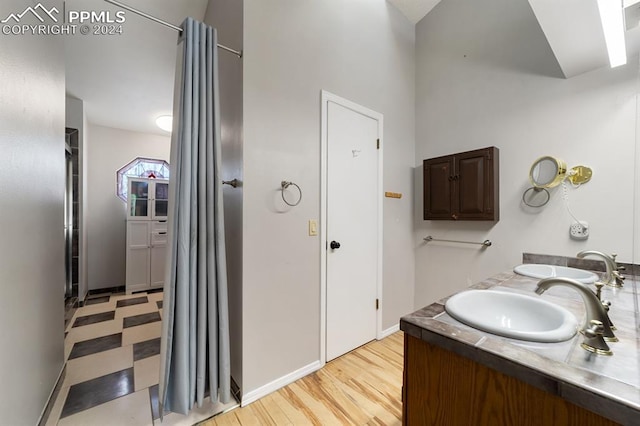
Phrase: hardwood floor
(362,387)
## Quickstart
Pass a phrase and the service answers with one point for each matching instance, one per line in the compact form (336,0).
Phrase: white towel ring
(284,185)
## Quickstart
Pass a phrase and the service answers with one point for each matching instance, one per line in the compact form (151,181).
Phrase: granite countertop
(607,385)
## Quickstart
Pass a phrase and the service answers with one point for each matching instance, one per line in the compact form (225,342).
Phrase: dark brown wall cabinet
(462,186)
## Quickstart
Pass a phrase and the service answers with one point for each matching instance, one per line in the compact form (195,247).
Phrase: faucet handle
(599,285)
(607,306)
(594,341)
(618,279)
(595,329)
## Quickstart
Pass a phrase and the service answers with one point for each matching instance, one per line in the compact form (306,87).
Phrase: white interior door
(351,222)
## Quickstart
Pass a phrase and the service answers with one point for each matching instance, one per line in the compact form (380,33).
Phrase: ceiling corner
(414,10)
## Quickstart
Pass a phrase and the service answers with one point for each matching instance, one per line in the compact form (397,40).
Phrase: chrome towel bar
(485,243)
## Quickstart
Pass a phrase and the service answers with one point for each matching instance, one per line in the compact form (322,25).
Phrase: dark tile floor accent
(94,392)
(107,290)
(130,302)
(140,319)
(93,346)
(154,396)
(146,349)
(159,303)
(92,319)
(96,300)
(235,390)
(155,404)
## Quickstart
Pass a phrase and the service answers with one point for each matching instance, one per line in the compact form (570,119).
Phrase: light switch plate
(313,228)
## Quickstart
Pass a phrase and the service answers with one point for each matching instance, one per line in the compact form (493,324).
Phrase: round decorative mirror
(536,197)
(547,172)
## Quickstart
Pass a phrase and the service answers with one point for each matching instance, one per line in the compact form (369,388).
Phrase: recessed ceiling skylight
(612,17)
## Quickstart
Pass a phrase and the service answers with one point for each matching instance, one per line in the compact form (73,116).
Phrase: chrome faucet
(596,329)
(611,278)
(609,263)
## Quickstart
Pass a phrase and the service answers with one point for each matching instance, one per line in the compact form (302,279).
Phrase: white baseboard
(281,382)
(389,331)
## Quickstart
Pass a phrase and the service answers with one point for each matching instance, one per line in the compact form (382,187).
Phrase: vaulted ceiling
(126,80)
(574,32)
(572,28)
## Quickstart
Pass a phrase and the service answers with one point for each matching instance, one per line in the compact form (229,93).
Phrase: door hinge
(377,304)
(377,143)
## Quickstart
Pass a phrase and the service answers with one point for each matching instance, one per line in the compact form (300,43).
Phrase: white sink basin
(513,315)
(548,271)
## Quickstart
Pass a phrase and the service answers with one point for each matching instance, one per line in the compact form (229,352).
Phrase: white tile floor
(114,380)
(97,365)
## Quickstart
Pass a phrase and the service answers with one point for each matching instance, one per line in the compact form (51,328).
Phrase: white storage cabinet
(147,204)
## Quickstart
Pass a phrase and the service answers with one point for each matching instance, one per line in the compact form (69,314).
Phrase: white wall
(362,50)
(226,17)
(32,183)
(109,150)
(76,118)
(486,76)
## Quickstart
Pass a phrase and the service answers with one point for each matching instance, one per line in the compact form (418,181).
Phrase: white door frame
(327,97)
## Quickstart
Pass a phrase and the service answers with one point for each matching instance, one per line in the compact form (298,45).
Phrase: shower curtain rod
(167,24)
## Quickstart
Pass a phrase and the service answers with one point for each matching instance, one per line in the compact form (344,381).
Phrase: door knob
(334,245)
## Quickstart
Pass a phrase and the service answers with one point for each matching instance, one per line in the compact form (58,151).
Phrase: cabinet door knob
(454,216)
(334,245)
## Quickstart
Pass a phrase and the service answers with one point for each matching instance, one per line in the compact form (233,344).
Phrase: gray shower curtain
(195,329)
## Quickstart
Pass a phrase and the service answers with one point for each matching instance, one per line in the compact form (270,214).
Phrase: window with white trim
(140,167)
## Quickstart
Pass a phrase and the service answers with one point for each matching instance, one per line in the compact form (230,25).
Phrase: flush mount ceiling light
(165,122)
(612,17)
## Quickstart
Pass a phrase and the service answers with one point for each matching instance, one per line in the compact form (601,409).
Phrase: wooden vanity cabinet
(441,387)
(463,186)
